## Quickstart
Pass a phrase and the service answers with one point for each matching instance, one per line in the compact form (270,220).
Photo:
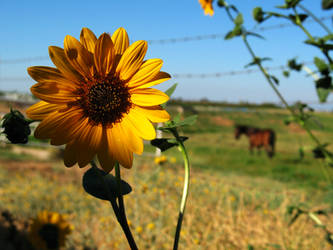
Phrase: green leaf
(328,37)
(176,122)
(169,92)
(237,31)
(301,17)
(289,120)
(320,44)
(166,143)
(250,247)
(94,186)
(324,87)
(301,153)
(321,65)
(327,4)
(286,73)
(292,64)
(239,20)
(257,60)
(289,4)
(275,79)
(222,3)
(254,34)
(229,35)
(282,6)
(188,121)
(258,14)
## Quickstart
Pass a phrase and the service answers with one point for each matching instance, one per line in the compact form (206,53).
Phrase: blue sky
(29,27)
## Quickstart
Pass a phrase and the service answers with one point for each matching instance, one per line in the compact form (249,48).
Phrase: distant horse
(258,138)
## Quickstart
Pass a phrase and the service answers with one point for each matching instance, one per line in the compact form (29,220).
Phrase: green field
(237,199)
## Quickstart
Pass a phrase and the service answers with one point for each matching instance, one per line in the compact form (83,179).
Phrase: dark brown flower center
(50,234)
(106,101)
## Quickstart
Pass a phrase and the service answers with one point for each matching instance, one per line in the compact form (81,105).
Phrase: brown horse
(258,138)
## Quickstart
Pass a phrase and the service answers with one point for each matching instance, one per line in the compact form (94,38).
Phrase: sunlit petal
(156,97)
(41,110)
(154,114)
(88,39)
(120,40)
(59,59)
(80,58)
(104,54)
(131,60)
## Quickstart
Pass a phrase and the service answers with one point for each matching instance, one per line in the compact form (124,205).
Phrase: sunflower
(207,6)
(160,160)
(49,230)
(98,99)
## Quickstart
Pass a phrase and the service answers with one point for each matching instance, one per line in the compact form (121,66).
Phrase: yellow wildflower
(207,6)
(49,231)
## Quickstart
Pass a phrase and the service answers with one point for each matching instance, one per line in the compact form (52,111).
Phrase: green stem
(122,214)
(262,69)
(277,92)
(315,219)
(315,18)
(182,149)
(325,172)
(299,24)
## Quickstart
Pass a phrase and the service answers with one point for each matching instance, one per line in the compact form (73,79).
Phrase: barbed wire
(169,40)
(189,75)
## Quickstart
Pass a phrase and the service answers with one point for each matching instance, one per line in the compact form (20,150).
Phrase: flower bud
(16,127)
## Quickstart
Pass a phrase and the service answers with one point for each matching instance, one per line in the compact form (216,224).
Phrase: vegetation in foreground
(249,194)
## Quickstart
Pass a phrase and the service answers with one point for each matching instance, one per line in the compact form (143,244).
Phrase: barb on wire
(169,40)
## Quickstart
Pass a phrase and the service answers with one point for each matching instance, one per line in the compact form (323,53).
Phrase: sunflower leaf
(327,4)
(324,87)
(94,186)
(169,92)
(165,143)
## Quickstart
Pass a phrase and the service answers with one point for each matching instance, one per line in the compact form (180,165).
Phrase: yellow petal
(41,110)
(46,128)
(120,40)
(118,148)
(88,144)
(131,139)
(148,97)
(88,39)
(53,93)
(69,128)
(48,74)
(131,60)
(104,54)
(159,78)
(105,157)
(40,73)
(70,155)
(148,70)
(54,218)
(79,57)
(59,59)
(138,123)
(154,114)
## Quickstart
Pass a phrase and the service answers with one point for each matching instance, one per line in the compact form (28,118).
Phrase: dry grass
(223,212)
